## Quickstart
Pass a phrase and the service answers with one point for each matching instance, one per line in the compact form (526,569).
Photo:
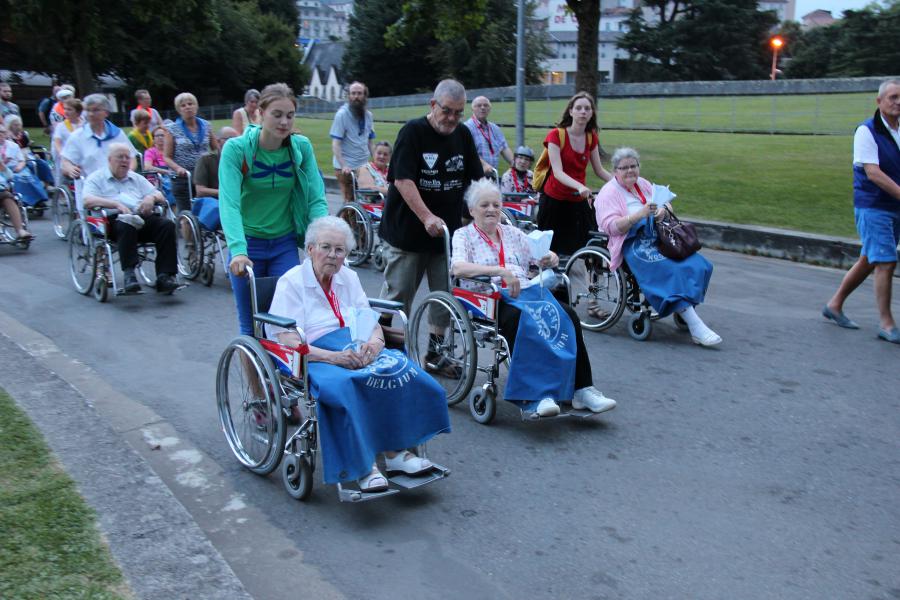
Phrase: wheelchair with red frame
(262,384)
(600,295)
(520,210)
(93,254)
(453,360)
(363,215)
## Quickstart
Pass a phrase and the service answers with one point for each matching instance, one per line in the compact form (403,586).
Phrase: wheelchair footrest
(577,413)
(350,492)
(409,482)
(122,292)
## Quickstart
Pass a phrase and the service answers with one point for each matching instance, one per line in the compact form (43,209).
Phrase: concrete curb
(772,242)
(161,550)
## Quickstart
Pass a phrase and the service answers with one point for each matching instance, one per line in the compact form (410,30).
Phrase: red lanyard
(501,256)
(485,134)
(640,193)
(335,305)
(525,183)
(381,172)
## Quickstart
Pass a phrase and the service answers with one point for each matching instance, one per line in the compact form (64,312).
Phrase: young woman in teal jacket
(270,190)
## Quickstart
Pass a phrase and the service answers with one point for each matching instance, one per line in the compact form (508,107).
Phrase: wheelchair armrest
(270,319)
(516,195)
(101,211)
(478,278)
(378,303)
(370,193)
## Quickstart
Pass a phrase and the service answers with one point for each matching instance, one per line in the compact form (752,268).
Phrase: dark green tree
(699,40)
(472,40)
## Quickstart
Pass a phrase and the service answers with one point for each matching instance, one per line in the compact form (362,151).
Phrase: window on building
(608,26)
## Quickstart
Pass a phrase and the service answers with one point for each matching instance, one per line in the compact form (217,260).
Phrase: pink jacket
(610,205)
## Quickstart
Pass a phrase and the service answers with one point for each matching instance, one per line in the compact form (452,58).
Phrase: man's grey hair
(116,146)
(329,223)
(479,189)
(884,86)
(625,152)
(10,119)
(96,100)
(450,89)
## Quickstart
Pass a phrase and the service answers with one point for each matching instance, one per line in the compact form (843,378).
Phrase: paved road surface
(766,468)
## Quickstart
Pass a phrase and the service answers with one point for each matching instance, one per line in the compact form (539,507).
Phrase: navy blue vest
(865,193)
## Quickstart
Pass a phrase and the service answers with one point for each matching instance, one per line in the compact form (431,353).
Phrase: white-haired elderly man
(117,187)
(489,138)
(87,148)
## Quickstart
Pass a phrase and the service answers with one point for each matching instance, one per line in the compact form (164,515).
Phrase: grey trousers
(404,273)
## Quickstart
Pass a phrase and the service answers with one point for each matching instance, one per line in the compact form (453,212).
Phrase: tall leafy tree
(699,40)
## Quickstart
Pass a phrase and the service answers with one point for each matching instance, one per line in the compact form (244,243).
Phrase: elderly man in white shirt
(117,187)
(87,147)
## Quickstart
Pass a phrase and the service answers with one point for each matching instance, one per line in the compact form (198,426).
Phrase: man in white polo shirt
(87,148)
(116,186)
(352,137)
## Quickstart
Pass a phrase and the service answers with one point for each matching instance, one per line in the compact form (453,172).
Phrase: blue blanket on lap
(543,360)
(669,285)
(389,405)
(207,211)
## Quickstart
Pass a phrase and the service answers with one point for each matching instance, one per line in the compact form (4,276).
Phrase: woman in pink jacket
(624,207)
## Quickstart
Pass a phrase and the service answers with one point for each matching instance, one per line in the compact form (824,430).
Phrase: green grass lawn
(798,182)
(823,113)
(49,543)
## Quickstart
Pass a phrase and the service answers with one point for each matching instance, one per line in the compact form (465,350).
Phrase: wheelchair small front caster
(296,475)
(680,323)
(639,326)
(207,274)
(378,258)
(483,404)
(101,289)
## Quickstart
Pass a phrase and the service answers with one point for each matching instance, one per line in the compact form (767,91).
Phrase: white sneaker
(547,408)
(131,219)
(407,462)
(592,399)
(710,338)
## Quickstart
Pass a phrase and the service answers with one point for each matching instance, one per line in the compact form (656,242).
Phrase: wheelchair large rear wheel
(360,223)
(248,394)
(451,358)
(189,244)
(61,211)
(597,293)
(82,256)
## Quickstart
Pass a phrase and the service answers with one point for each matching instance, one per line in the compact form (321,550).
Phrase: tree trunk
(588,14)
(84,74)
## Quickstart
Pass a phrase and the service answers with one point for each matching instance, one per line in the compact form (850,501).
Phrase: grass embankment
(791,181)
(820,113)
(49,543)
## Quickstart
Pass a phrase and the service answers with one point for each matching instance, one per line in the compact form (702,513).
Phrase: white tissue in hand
(661,195)
(361,322)
(539,242)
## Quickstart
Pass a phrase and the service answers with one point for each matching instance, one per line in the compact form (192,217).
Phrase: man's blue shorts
(879,231)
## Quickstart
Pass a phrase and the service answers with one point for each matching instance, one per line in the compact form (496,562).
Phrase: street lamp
(776,43)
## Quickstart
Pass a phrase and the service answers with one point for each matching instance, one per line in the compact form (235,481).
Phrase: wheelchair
(258,381)
(601,295)
(473,325)
(92,255)
(199,248)
(8,234)
(363,215)
(520,210)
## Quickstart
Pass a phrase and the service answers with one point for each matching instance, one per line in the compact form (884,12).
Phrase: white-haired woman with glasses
(624,206)
(502,252)
(323,296)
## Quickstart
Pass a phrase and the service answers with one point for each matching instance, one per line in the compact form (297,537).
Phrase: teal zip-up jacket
(307,201)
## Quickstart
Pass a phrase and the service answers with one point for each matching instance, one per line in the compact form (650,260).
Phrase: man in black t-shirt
(434,161)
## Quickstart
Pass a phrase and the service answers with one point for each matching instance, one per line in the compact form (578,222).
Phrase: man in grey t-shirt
(352,137)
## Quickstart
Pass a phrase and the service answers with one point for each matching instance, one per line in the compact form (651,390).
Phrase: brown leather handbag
(676,240)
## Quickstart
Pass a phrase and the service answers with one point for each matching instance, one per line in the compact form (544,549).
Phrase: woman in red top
(564,200)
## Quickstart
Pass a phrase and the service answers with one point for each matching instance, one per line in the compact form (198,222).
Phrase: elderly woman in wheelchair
(625,207)
(368,399)
(548,359)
